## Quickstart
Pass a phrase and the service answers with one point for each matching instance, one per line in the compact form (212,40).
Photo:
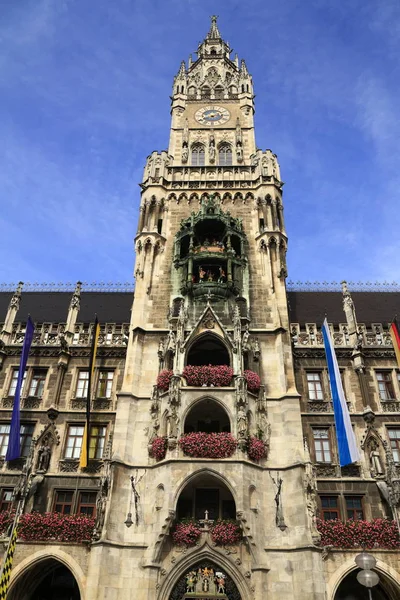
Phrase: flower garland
(52,526)
(208,375)
(164,379)
(158,448)
(256,449)
(253,381)
(378,533)
(208,445)
(226,533)
(186,533)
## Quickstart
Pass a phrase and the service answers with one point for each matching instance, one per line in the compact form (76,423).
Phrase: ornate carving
(351,471)
(326,470)
(44,455)
(390,406)
(93,466)
(102,403)
(32,402)
(78,403)
(318,406)
(68,466)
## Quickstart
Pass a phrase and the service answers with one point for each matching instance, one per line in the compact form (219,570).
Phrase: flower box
(378,533)
(164,379)
(186,533)
(226,533)
(253,381)
(208,445)
(37,527)
(208,375)
(158,448)
(256,449)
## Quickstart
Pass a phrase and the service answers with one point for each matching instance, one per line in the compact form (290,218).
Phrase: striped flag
(14,445)
(7,566)
(395,335)
(348,451)
(83,461)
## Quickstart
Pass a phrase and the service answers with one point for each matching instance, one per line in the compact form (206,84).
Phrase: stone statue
(239,152)
(310,487)
(279,519)
(190,581)
(211,149)
(242,423)
(173,422)
(185,153)
(220,582)
(44,456)
(375,463)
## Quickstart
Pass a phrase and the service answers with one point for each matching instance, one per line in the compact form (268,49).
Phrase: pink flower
(253,381)
(256,449)
(206,375)
(164,379)
(378,533)
(158,448)
(208,445)
(226,533)
(186,533)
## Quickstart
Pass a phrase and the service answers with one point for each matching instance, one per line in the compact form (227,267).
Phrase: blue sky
(84,98)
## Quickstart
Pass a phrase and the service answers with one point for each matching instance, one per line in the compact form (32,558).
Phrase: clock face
(212,115)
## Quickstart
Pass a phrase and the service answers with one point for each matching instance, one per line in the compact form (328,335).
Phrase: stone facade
(210,290)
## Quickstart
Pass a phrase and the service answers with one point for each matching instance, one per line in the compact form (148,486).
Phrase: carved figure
(211,149)
(185,154)
(202,274)
(239,152)
(173,422)
(222,276)
(44,456)
(190,581)
(242,423)
(375,463)
(220,581)
(279,519)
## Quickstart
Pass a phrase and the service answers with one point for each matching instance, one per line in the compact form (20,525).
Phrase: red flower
(253,381)
(55,526)
(208,445)
(206,375)
(226,533)
(186,533)
(164,379)
(256,449)
(158,448)
(378,533)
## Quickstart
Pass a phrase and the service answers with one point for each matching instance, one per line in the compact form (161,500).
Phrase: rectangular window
(104,387)
(354,508)
(394,436)
(5,499)
(385,385)
(322,446)
(13,384)
(314,386)
(82,384)
(87,504)
(329,508)
(37,383)
(26,434)
(63,502)
(4,435)
(74,441)
(97,440)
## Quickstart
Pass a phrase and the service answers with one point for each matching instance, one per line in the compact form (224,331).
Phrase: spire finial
(214,32)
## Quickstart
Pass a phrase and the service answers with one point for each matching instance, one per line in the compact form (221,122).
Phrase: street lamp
(368,578)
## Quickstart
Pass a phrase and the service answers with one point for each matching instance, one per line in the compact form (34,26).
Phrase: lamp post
(368,578)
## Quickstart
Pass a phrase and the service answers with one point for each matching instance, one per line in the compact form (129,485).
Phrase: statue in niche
(242,423)
(310,486)
(237,330)
(211,149)
(279,518)
(44,456)
(191,579)
(173,422)
(239,152)
(185,153)
(155,414)
(375,463)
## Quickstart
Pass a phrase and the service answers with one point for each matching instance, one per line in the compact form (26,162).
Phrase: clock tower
(209,354)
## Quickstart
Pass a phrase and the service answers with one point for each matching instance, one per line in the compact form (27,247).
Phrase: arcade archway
(207,580)
(46,580)
(350,589)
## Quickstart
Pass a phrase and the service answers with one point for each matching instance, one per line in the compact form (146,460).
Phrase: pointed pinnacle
(182,70)
(243,67)
(214,33)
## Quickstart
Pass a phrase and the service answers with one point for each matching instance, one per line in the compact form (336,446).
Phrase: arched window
(208,350)
(208,416)
(205,92)
(225,155)
(219,92)
(198,154)
(206,493)
(192,91)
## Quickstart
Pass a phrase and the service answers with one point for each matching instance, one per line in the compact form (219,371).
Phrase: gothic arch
(196,557)
(389,577)
(218,340)
(32,567)
(195,404)
(195,475)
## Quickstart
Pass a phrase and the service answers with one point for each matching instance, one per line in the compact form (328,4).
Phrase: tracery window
(198,155)
(225,155)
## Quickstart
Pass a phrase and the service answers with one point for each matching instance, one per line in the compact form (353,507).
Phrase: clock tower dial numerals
(212,115)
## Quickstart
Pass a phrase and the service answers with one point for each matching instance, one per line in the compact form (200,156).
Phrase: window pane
(4,435)
(74,441)
(13,384)
(105,384)
(82,385)
(26,434)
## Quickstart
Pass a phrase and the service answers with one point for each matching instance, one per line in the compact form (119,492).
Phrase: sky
(84,98)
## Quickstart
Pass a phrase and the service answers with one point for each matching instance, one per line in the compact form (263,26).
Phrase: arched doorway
(208,416)
(350,589)
(208,350)
(206,493)
(207,580)
(46,580)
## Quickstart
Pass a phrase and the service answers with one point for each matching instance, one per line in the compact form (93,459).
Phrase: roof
(115,307)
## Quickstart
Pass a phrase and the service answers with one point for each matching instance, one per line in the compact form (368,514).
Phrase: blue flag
(347,445)
(14,444)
